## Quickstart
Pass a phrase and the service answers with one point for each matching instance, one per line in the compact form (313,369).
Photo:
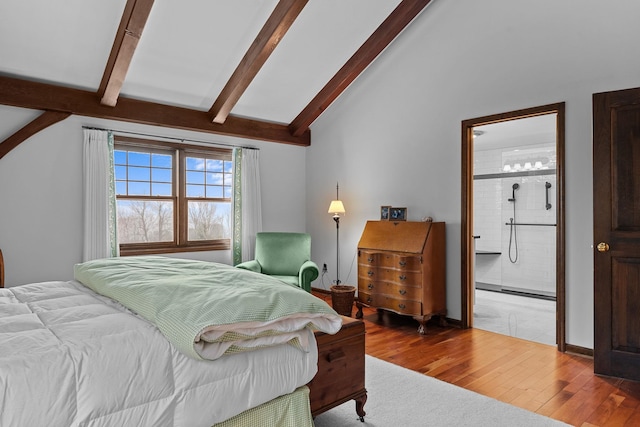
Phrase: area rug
(401,397)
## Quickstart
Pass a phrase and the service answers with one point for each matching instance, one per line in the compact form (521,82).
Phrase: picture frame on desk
(398,214)
(384,213)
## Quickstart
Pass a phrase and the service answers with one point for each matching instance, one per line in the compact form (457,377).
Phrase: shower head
(514,187)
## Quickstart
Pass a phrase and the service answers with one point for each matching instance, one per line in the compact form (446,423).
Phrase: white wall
(41,194)
(393,138)
(527,259)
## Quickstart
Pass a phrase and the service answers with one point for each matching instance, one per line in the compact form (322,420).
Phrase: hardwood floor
(532,376)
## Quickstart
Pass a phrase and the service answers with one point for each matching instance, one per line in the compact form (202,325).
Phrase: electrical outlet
(324,268)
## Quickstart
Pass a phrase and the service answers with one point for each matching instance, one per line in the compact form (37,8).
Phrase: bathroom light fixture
(530,164)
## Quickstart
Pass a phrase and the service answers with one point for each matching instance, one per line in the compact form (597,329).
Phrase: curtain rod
(126,132)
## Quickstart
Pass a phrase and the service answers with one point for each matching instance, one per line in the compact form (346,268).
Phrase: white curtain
(100,240)
(247,203)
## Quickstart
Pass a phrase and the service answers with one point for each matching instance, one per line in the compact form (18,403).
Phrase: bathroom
(514,181)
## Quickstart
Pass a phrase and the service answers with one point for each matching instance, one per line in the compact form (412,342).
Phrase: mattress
(71,357)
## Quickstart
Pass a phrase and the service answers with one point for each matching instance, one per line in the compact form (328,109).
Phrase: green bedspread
(208,309)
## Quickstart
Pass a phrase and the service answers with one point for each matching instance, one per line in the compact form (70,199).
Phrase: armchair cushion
(282,254)
(285,256)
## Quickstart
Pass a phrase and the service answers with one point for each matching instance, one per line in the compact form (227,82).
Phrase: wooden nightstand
(340,376)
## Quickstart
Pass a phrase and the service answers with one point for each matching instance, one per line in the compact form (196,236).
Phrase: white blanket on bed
(70,357)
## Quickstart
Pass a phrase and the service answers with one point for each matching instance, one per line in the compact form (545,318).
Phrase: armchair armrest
(308,273)
(252,265)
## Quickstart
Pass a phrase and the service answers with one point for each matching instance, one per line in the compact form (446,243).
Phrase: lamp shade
(336,207)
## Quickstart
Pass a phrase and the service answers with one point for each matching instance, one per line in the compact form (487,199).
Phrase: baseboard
(576,349)
(321,291)
(454,322)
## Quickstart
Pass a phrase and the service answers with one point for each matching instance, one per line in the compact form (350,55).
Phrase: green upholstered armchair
(285,256)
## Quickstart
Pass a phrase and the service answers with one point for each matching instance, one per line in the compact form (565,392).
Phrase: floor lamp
(337,208)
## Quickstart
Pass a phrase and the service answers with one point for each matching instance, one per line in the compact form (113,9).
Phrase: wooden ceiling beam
(42,96)
(41,122)
(281,19)
(134,18)
(402,15)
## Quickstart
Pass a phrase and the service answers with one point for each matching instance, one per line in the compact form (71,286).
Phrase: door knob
(602,247)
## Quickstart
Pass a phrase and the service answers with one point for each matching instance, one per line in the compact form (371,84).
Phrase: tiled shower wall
(534,270)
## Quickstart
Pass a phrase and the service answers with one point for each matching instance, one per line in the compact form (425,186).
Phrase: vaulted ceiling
(260,69)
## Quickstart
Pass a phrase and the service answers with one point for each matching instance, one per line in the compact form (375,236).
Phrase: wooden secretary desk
(401,268)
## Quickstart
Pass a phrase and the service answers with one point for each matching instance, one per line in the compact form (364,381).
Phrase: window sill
(174,249)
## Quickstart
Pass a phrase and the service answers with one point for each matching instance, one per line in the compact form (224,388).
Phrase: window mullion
(180,202)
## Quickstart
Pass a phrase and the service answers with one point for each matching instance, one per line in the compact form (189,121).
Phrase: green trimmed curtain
(247,203)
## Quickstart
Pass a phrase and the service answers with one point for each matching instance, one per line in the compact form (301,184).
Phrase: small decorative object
(427,219)
(384,213)
(342,297)
(398,214)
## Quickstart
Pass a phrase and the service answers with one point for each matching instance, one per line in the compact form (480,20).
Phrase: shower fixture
(513,236)
(547,186)
(514,187)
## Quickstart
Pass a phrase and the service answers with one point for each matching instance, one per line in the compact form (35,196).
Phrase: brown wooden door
(616,199)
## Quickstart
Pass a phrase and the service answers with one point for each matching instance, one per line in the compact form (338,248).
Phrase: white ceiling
(189,48)
(519,132)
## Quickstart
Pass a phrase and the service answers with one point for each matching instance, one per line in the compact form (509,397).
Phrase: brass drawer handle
(403,263)
(370,286)
(335,355)
(402,306)
(369,300)
(403,291)
(370,273)
(370,259)
(403,277)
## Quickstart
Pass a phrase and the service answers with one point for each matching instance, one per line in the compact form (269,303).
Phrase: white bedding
(70,357)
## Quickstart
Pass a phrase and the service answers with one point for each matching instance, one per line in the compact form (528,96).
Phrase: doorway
(513,223)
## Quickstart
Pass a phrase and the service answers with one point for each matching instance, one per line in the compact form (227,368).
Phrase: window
(172,198)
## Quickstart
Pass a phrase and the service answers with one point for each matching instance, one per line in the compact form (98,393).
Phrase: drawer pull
(335,355)
(370,273)
(403,291)
(403,277)
(370,286)
(403,263)
(369,300)
(402,306)
(370,259)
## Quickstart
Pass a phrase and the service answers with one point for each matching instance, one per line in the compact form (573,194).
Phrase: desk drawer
(391,290)
(398,276)
(398,305)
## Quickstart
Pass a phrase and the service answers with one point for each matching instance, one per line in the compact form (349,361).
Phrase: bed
(106,348)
